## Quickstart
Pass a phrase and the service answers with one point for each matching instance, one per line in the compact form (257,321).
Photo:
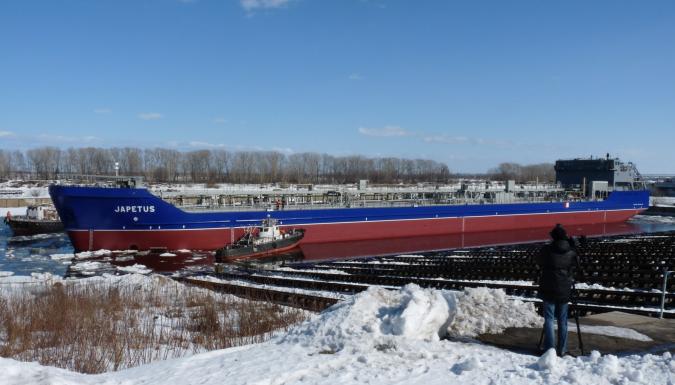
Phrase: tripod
(575,303)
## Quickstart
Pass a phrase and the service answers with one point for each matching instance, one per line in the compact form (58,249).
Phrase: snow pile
(136,268)
(371,318)
(383,318)
(548,361)
(481,310)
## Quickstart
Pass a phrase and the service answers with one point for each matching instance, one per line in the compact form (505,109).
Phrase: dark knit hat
(558,232)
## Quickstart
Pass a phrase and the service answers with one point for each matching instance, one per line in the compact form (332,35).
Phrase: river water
(48,253)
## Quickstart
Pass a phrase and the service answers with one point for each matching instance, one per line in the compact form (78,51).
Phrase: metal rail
(639,265)
(297,300)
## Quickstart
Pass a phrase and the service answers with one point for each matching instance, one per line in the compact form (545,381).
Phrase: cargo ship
(117,218)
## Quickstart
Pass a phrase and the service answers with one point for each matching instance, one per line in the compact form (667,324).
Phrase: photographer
(558,261)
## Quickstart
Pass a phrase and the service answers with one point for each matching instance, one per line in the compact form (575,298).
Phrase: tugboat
(261,242)
(40,219)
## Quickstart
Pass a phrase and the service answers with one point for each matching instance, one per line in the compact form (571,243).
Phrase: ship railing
(354,204)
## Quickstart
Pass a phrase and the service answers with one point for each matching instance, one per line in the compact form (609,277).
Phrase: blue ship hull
(124,218)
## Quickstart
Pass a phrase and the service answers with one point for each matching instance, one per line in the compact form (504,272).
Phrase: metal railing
(666,273)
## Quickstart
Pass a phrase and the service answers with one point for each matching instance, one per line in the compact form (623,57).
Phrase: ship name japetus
(134,209)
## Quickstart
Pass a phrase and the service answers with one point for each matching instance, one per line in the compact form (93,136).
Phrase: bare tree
(45,161)
(166,165)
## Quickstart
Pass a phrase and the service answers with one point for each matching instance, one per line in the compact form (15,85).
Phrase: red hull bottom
(211,239)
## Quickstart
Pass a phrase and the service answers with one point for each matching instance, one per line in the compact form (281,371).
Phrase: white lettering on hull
(134,209)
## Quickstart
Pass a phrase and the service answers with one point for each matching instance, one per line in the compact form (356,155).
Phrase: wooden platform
(661,331)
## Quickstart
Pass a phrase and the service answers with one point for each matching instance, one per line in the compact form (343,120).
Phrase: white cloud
(252,5)
(150,115)
(102,110)
(444,138)
(196,143)
(355,76)
(384,131)
(283,150)
(66,139)
(6,134)
(449,139)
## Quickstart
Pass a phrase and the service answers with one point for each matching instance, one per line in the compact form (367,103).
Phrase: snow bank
(481,310)
(387,337)
(382,318)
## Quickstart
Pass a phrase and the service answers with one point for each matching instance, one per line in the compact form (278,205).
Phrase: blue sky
(471,83)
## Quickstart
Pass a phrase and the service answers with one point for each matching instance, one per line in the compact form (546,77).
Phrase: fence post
(663,292)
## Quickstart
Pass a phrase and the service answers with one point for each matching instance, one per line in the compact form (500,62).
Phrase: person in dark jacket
(558,263)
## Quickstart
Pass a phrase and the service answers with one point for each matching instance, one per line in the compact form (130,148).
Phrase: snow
(66,256)
(167,255)
(653,219)
(90,267)
(319,293)
(318,271)
(375,317)
(612,331)
(662,201)
(481,310)
(26,191)
(136,268)
(13,211)
(378,337)
(92,254)
(35,237)
(548,361)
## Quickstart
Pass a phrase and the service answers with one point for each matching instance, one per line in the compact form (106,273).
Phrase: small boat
(40,219)
(265,241)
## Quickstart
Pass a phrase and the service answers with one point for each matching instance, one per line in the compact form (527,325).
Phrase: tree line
(216,166)
(543,172)
(222,166)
